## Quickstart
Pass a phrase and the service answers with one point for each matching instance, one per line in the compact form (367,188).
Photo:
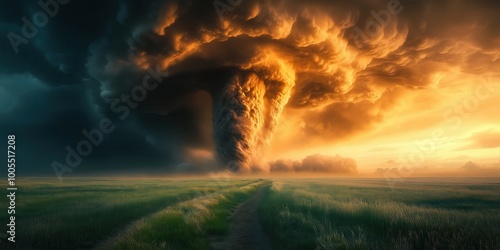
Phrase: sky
(346,87)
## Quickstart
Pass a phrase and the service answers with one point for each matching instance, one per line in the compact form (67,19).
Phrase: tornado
(257,60)
(245,114)
(237,118)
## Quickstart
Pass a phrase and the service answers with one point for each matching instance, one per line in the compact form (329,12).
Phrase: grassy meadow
(328,213)
(101,213)
(368,214)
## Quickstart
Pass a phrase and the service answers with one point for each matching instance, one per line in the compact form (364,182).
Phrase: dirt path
(245,231)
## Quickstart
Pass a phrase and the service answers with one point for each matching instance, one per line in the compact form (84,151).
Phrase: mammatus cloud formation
(344,65)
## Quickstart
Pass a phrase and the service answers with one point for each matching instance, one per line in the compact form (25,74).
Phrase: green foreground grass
(83,213)
(334,214)
(296,213)
(187,225)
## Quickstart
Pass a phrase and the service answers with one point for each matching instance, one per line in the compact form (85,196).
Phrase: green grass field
(368,214)
(325,213)
(87,213)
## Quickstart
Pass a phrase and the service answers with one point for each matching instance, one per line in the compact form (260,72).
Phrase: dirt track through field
(245,230)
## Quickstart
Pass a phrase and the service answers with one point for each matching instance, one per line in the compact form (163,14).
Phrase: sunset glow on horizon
(363,87)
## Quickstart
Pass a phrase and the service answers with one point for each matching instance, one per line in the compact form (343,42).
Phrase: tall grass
(187,225)
(322,215)
(80,213)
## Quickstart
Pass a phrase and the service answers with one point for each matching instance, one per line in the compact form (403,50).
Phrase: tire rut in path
(245,230)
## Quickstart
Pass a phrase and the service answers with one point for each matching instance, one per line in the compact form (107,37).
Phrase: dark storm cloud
(44,119)
(57,53)
(47,119)
(48,98)
(341,65)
